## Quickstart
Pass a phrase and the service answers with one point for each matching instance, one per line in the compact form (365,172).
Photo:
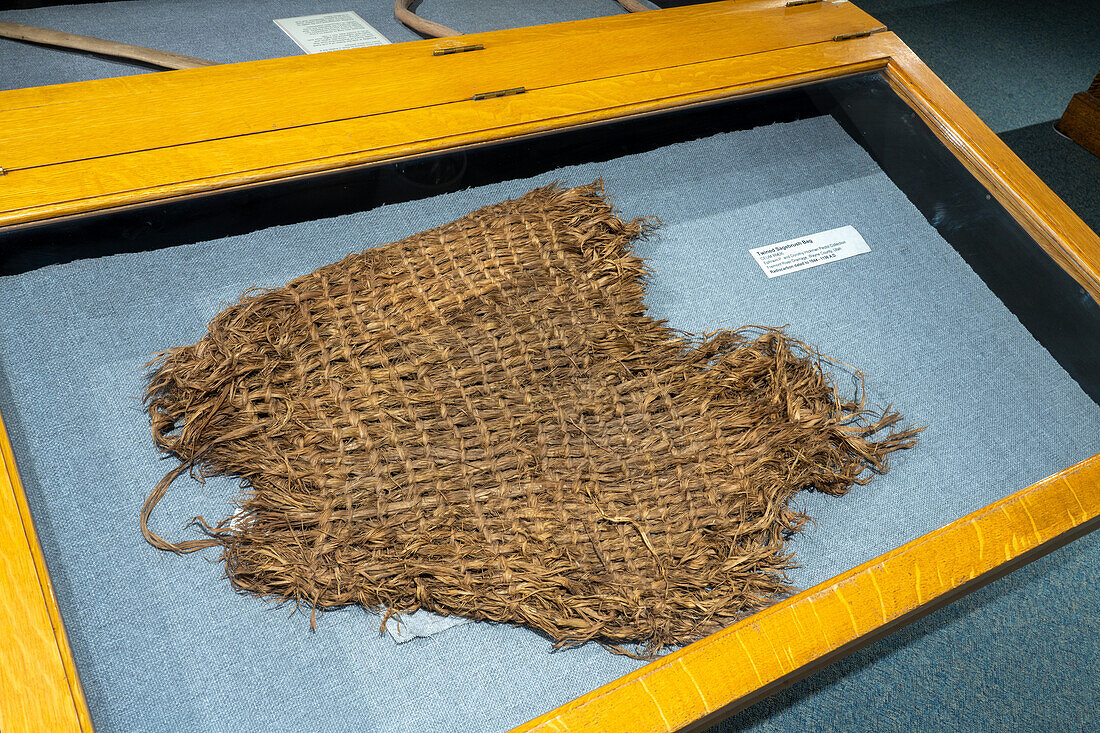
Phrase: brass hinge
(500,93)
(860,34)
(457,49)
(794,3)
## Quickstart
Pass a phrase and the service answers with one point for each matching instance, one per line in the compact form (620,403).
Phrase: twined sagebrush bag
(482,420)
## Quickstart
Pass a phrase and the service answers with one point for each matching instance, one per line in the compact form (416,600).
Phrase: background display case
(135,208)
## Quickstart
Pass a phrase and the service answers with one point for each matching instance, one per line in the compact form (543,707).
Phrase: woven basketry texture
(482,420)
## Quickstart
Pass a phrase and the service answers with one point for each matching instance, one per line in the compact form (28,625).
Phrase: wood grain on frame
(75,148)
(39,688)
(112,116)
(1059,231)
(210,165)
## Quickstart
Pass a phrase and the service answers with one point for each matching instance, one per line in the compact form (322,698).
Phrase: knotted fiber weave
(482,420)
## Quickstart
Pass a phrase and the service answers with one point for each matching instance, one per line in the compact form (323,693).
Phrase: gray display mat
(241,30)
(163,643)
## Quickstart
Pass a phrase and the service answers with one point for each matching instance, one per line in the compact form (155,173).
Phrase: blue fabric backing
(163,643)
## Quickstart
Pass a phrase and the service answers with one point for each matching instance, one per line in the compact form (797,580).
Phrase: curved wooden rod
(418,24)
(47,37)
(401,9)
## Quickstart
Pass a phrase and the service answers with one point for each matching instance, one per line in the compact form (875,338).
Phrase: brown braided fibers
(482,420)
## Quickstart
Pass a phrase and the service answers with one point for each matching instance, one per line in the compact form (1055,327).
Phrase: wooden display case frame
(76,149)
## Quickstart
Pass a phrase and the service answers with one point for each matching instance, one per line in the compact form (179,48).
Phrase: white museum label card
(812,250)
(331,32)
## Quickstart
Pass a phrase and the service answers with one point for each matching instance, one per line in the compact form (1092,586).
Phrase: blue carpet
(1014,62)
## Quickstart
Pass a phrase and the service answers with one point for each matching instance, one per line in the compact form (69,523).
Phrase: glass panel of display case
(958,318)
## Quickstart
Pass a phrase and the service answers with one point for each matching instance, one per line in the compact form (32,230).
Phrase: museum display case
(134,209)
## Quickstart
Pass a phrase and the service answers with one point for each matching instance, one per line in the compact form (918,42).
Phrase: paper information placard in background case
(331,32)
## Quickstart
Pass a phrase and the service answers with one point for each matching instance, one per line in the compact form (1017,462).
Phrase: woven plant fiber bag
(482,420)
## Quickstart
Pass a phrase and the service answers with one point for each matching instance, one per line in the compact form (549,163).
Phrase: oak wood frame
(1081,120)
(87,147)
